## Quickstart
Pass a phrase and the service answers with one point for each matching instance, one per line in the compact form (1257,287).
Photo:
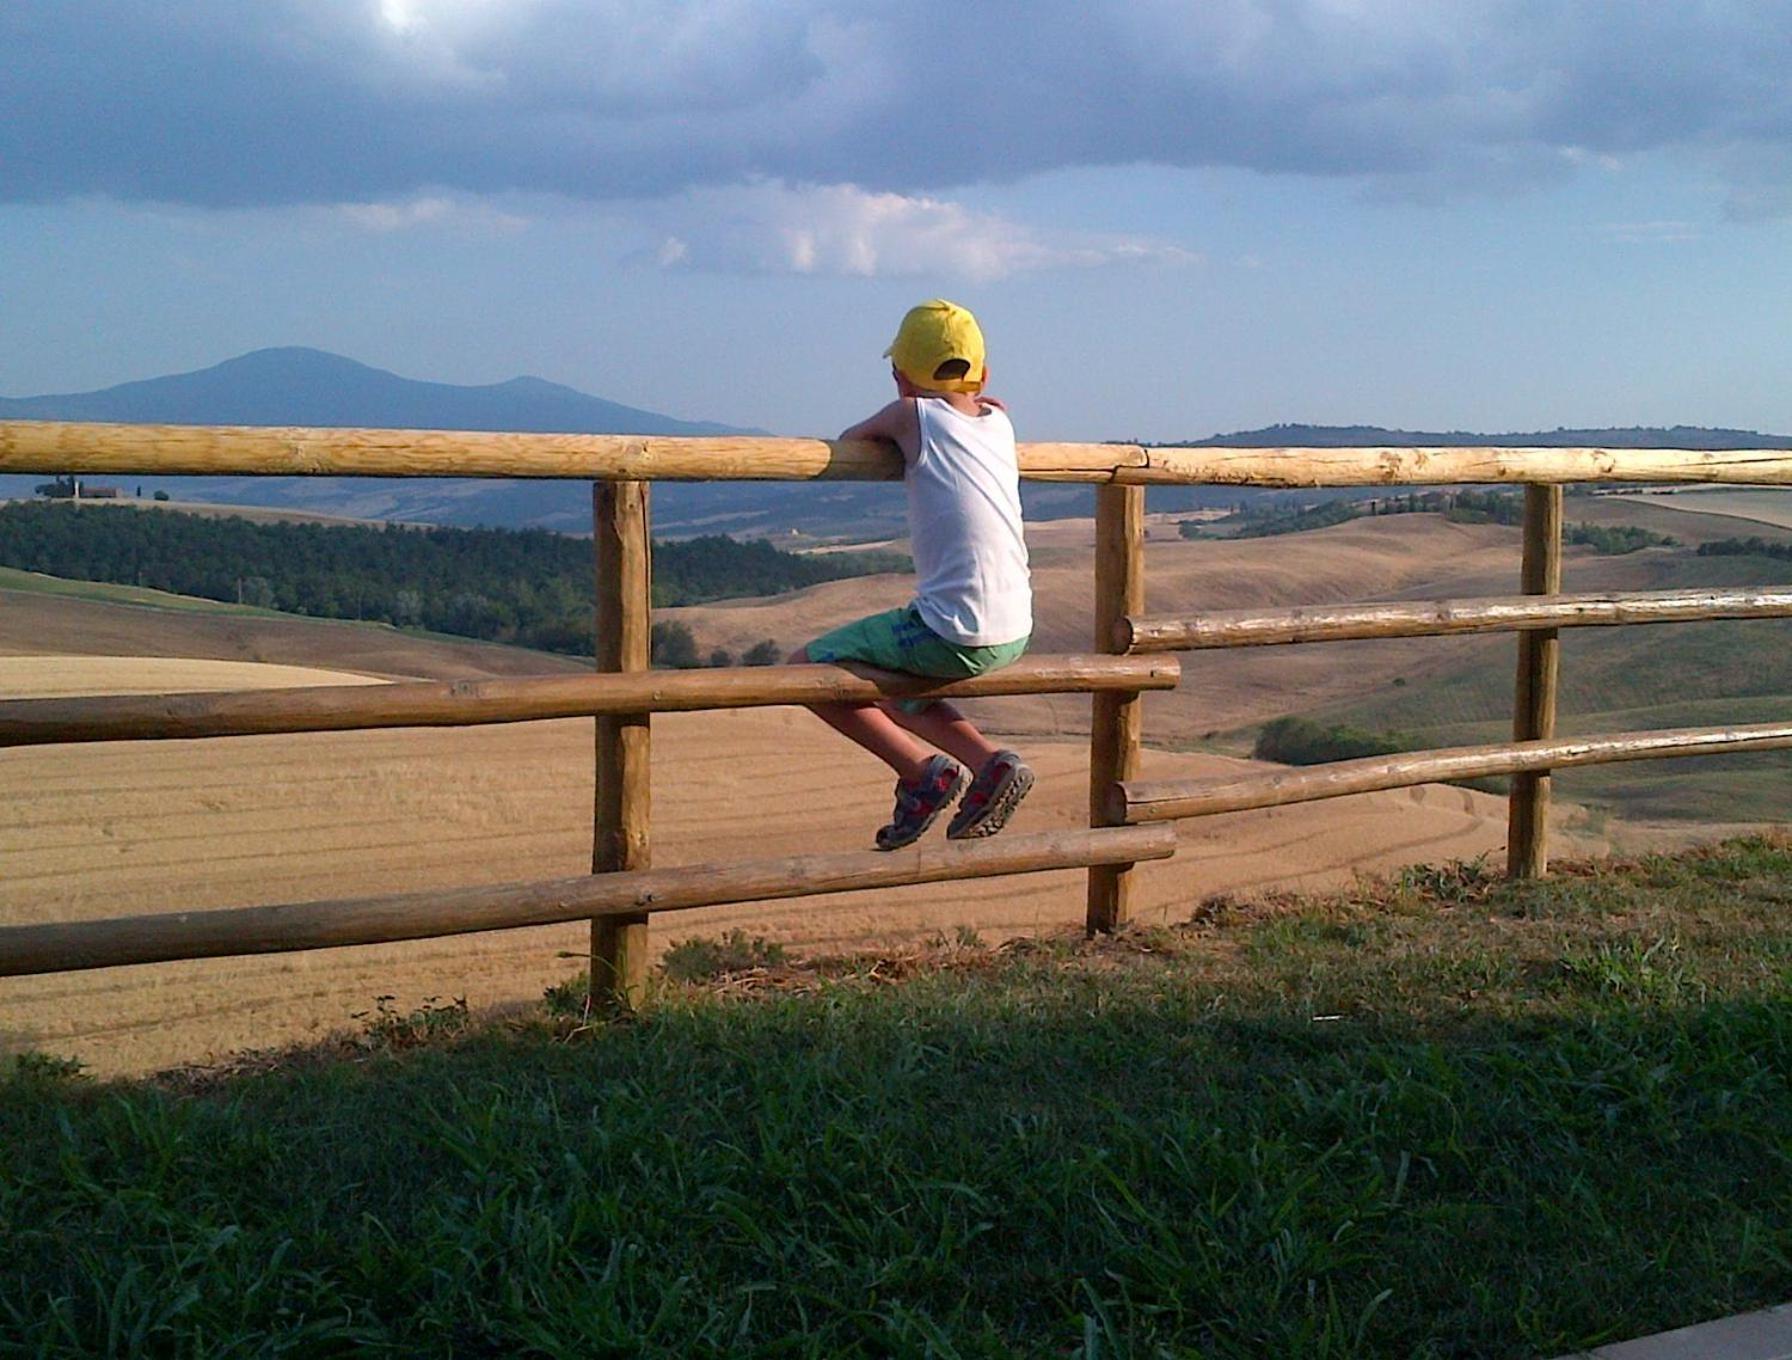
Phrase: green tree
(764,653)
(672,645)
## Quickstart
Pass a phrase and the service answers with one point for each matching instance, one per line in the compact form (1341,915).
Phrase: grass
(12,578)
(1437,1116)
(142,597)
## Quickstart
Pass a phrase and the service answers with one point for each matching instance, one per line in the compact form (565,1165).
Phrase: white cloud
(840,229)
(427,210)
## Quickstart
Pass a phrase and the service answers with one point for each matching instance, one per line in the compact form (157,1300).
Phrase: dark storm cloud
(220,102)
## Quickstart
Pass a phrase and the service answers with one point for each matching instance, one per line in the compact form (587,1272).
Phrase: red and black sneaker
(919,801)
(990,802)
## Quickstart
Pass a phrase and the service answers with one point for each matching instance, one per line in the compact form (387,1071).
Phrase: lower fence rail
(1134,802)
(74,945)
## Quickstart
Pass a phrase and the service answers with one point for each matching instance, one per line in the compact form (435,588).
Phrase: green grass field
(141,597)
(11,578)
(1438,1117)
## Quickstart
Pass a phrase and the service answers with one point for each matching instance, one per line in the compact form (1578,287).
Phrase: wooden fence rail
(622,890)
(1134,803)
(71,945)
(464,703)
(235,450)
(1151,633)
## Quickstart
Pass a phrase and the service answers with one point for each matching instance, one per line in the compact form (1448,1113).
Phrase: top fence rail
(228,450)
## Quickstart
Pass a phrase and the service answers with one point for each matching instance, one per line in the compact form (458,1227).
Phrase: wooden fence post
(1534,709)
(1114,718)
(619,515)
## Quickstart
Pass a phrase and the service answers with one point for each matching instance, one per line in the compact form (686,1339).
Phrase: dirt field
(1768,506)
(109,830)
(95,831)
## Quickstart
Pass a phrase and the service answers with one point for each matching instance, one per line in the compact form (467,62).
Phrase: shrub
(673,645)
(1746,547)
(699,959)
(388,1029)
(1614,540)
(33,1066)
(1300,741)
(1321,516)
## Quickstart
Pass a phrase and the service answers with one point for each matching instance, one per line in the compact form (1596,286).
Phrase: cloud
(841,229)
(220,103)
(1663,232)
(427,210)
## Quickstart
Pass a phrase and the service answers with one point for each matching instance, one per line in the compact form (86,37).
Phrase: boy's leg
(873,728)
(941,724)
(1002,778)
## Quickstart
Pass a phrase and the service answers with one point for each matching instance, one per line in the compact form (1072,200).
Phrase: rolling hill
(297,386)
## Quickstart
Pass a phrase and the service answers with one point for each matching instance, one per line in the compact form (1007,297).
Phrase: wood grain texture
(1265,627)
(1534,698)
(70,946)
(623,802)
(1136,802)
(467,703)
(222,450)
(1115,718)
(1395,466)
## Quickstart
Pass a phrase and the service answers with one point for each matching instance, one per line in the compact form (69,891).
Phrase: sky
(1173,217)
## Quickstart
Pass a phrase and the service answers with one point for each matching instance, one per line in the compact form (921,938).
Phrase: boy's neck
(964,402)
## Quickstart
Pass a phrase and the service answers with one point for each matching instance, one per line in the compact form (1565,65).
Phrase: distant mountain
(1628,437)
(294,386)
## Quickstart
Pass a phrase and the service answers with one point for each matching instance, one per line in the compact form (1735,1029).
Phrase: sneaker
(994,794)
(919,801)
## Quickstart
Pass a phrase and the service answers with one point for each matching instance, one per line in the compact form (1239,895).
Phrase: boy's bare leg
(942,725)
(873,728)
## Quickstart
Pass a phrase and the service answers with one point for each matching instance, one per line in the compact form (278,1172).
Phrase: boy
(973,605)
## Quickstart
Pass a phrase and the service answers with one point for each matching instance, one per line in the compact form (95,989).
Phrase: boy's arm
(896,423)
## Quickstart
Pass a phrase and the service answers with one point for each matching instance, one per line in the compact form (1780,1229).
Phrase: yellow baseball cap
(933,335)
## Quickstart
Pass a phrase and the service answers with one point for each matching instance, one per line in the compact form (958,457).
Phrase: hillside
(1621,679)
(528,587)
(44,615)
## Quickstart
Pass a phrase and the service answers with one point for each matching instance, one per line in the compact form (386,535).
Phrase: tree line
(528,587)
(1459,507)
(1747,547)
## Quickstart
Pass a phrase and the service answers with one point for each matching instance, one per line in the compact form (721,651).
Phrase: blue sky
(1173,218)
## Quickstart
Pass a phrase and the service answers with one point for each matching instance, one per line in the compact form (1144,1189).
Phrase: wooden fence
(622,890)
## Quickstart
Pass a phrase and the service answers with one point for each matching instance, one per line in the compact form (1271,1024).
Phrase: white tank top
(964,524)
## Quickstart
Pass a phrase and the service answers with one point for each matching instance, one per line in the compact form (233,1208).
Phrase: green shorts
(897,640)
